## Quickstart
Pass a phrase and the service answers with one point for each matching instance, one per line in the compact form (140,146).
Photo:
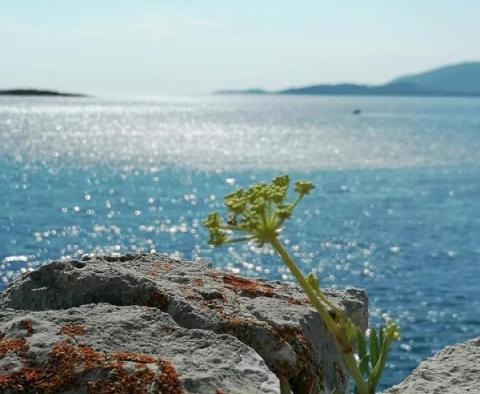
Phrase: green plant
(258,214)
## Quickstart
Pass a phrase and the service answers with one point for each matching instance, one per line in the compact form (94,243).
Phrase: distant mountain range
(35,92)
(453,80)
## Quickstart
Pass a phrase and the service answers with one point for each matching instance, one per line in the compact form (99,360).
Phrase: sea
(396,208)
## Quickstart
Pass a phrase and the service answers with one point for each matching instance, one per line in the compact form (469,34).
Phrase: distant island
(454,80)
(35,92)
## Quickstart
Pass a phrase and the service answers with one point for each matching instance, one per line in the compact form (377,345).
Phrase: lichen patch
(72,331)
(248,287)
(71,366)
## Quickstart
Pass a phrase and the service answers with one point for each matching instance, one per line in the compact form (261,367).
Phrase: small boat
(357,111)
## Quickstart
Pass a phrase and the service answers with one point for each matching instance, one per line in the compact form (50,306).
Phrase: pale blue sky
(149,47)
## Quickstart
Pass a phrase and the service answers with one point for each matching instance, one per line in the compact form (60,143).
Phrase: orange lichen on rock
(214,274)
(91,358)
(68,364)
(58,373)
(291,333)
(12,345)
(296,301)
(199,282)
(6,381)
(135,357)
(123,383)
(159,267)
(72,331)
(28,326)
(54,376)
(169,379)
(248,286)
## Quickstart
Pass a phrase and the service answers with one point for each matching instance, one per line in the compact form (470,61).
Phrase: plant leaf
(380,366)
(374,348)
(363,365)
(362,347)
(381,335)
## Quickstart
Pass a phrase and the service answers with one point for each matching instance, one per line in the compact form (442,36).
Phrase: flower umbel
(257,213)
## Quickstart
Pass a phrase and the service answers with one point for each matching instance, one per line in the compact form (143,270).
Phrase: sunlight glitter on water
(218,133)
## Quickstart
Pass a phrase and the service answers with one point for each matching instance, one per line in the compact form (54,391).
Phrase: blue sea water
(396,209)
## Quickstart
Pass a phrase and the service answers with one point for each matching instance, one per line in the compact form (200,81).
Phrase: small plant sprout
(258,214)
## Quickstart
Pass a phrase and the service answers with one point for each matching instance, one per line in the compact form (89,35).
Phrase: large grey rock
(101,348)
(273,318)
(454,370)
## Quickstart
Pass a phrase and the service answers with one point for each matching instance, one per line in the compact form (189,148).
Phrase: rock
(454,370)
(274,319)
(101,348)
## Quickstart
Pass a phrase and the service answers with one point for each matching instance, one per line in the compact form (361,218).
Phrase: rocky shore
(149,324)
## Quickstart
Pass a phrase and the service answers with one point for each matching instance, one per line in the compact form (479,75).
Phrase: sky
(177,47)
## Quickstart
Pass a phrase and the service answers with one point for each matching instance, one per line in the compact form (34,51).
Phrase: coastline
(39,93)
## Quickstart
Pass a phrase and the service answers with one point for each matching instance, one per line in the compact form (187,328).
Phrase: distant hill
(459,78)
(455,80)
(400,88)
(35,92)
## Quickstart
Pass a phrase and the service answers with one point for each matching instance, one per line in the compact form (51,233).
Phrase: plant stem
(378,369)
(304,284)
(284,386)
(330,304)
(352,367)
(327,319)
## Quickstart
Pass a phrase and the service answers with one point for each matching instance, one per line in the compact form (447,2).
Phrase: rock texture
(109,349)
(147,294)
(454,370)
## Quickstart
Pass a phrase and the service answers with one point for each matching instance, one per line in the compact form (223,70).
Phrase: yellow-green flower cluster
(392,331)
(256,213)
